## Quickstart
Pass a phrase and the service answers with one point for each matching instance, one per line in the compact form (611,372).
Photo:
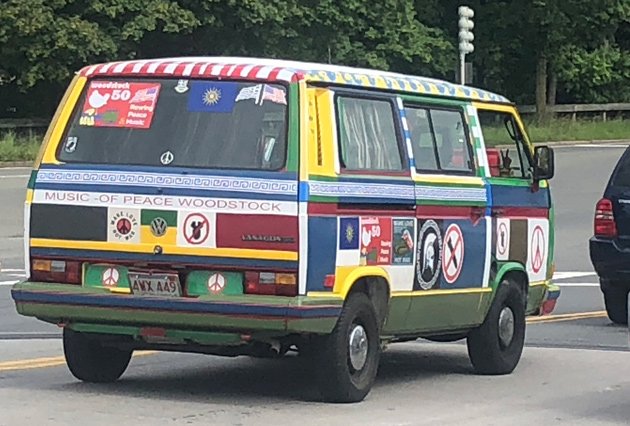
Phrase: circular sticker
(110,277)
(453,254)
(123,226)
(216,283)
(428,259)
(196,228)
(538,249)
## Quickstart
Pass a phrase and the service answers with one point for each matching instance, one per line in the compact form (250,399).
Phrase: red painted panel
(521,212)
(262,232)
(444,212)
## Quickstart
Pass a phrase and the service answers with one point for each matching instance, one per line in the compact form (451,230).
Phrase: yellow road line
(567,317)
(27,364)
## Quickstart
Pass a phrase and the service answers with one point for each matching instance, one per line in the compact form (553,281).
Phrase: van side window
(367,135)
(438,140)
(505,143)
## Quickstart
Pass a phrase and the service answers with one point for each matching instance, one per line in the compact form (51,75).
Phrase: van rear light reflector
(56,271)
(604,224)
(270,283)
(329,281)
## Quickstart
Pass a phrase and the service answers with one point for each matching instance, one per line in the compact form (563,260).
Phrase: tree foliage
(583,45)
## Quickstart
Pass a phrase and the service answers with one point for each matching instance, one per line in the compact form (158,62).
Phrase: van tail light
(604,223)
(271,283)
(56,271)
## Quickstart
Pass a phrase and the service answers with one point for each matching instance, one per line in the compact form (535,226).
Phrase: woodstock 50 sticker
(429,256)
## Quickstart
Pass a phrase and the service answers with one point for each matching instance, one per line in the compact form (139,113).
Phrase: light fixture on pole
(466,38)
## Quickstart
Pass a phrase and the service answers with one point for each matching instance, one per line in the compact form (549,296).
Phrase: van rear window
(179,123)
(621,176)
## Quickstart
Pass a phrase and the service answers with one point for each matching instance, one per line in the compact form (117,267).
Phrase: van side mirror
(544,163)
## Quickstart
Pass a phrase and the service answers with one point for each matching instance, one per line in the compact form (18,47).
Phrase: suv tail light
(271,283)
(604,223)
(57,271)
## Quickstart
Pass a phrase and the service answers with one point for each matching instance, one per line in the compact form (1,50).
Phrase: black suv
(610,246)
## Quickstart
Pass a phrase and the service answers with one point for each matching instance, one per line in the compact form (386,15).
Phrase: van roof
(288,71)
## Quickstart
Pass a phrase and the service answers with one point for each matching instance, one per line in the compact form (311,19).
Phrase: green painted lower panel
(67,313)
(535,297)
(397,316)
(171,335)
(437,312)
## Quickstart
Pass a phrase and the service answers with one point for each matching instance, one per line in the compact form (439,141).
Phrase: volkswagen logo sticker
(167,158)
(158,226)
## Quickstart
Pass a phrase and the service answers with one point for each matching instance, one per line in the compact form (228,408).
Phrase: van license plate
(155,284)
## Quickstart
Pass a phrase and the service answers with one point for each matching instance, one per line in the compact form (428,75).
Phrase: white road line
(577,284)
(8,282)
(14,176)
(593,145)
(566,275)
(12,270)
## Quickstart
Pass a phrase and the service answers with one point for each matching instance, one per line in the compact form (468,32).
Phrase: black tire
(488,352)
(339,380)
(92,362)
(616,300)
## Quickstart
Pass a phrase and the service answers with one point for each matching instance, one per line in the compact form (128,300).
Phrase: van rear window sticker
(120,104)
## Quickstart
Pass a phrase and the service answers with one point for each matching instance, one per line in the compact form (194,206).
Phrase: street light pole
(466,38)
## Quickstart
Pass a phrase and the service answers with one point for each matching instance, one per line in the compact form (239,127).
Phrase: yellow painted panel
(467,180)
(58,126)
(29,196)
(322,112)
(305,130)
(346,276)
(147,237)
(148,248)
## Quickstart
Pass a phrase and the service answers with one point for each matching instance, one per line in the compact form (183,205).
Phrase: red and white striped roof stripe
(198,67)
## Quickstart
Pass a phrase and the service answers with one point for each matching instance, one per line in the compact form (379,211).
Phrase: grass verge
(18,148)
(581,130)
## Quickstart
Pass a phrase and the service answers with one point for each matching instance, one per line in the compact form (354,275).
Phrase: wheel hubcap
(358,347)
(506,326)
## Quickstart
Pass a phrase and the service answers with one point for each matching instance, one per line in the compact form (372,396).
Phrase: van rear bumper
(66,303)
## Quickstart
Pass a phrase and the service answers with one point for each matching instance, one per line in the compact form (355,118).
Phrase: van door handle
(476,213)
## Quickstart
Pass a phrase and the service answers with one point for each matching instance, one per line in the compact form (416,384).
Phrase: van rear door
(175,173)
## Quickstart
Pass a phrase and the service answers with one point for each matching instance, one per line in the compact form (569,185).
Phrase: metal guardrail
(575,109)
(23,123)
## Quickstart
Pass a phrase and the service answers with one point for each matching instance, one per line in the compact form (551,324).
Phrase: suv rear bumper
(67,304)
(611,262)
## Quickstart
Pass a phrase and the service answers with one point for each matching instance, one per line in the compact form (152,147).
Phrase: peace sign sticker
(216,283)
(453,253)
(538,245)
(110,277)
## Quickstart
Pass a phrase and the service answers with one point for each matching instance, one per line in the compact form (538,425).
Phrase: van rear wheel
(89,361)
(347,359)
(495,347)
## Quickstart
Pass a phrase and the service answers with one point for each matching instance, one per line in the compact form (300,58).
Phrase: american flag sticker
(146,95)
(274,94)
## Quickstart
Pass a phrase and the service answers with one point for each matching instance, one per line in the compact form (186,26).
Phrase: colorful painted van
(236,206)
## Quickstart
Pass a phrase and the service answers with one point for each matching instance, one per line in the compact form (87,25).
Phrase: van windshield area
(179,123)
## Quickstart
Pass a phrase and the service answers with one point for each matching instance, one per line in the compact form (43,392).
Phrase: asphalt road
(574,370)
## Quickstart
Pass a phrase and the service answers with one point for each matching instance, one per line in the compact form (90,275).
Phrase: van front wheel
(495,346)
(348,358)
(89,361)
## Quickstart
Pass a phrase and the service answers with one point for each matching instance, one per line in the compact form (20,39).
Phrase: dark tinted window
(621,177)
(438,140)
(213,124)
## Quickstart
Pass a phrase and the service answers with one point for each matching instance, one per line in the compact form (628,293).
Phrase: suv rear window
(621,177)
(196,123)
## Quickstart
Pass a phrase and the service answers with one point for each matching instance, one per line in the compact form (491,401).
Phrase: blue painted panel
(519,196)
(322,251)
